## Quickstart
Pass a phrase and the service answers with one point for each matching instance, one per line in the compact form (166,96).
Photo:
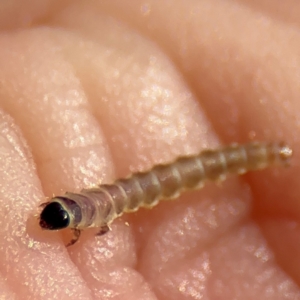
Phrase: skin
(92,92)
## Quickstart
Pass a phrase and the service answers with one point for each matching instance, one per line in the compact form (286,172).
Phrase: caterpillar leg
(104,229)
(76,234)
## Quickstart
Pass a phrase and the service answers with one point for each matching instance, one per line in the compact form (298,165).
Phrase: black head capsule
(54,216)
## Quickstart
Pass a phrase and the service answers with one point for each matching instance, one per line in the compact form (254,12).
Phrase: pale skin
(93,92)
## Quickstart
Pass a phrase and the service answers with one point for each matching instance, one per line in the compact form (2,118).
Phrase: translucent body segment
(192,172)
(150,186)
(118,196)
(214,165)
(169,180)
(133,192)
(236,159)
(99,206)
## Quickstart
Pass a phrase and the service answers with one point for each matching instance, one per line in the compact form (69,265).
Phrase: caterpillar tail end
(285,154)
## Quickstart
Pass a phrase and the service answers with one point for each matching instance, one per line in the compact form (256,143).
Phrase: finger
(125,96)
(23,262)
(48,107)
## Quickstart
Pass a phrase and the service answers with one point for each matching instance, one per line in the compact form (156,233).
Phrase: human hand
(92,92)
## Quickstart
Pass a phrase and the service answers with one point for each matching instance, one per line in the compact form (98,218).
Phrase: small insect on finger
(97,207)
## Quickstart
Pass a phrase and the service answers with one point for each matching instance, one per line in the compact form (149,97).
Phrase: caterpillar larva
(99,206)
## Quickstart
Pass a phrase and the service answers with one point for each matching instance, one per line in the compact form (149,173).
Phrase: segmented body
(99,206)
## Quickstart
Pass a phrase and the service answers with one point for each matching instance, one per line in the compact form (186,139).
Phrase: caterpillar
(97,207)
